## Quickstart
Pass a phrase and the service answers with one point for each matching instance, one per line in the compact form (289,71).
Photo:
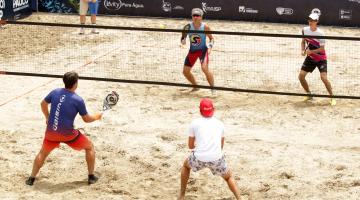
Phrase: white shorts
(84,6)
(217,167)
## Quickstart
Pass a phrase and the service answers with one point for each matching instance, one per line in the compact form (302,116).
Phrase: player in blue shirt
(198,48)
(65,105)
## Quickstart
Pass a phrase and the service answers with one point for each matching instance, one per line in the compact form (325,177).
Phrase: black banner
(334,12)
(14,9)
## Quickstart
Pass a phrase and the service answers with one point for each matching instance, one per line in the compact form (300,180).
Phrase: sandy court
(277,147)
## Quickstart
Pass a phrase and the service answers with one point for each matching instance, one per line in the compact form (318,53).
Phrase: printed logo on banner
(20,4)
(356,1)
(243,9)
(209,8)
(2,6)
(284,11)
(316,11)
(118,4)
(345,14)
(166,6)
(178,8)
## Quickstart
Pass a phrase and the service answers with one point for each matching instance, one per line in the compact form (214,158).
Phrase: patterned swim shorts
(217,167)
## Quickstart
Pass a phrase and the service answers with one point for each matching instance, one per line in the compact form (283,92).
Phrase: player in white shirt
(314,49)
(208,134)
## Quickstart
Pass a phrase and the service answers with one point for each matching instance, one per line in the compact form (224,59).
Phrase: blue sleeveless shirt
(197,40)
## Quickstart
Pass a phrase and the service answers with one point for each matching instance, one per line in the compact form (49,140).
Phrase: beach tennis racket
(184,34)
(306,44)
(110,101)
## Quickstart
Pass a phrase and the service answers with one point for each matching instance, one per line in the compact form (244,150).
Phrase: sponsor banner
(21,8)
(59,6)
(345,14)
(338,12)
(2,8)
(14,9)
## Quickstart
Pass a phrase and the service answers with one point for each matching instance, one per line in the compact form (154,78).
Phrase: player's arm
(45,109)
(185,33)
(222,142)
(322,48)
(90,118)
(303,43)
(210,36)
(191,142)
(85,115)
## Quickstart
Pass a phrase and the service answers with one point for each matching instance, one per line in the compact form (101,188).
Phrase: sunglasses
(196,15)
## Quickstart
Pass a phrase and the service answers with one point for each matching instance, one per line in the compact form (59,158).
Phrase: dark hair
(70,79)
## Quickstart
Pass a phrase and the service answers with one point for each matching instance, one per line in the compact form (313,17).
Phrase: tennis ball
(162,26)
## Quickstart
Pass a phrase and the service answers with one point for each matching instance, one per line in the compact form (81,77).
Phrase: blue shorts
(93,7)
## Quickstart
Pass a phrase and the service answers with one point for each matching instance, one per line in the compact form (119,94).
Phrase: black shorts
(309,65)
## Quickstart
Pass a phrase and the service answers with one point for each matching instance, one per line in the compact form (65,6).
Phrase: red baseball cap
(206,107)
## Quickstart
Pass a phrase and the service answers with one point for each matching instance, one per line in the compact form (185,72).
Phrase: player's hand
(303,53)
(209,51)
(98,116)
(308,52)
(183,41)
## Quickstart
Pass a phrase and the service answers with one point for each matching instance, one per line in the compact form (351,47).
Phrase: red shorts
(192,57)
(77,141)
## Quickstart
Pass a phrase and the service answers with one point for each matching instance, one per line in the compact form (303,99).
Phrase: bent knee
(186,164)
(324,78)
(227,176)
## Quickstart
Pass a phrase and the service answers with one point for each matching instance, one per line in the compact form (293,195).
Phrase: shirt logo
(195,40)
(62,98)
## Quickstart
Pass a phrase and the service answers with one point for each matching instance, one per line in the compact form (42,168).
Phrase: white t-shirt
(317,32)
(314,43)
(208,133)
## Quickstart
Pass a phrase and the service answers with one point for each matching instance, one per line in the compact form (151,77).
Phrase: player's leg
(188,75)
(82,11)
(93,11)
(185,174)
(189,63)
(232,184)
(323,75)
(82,142)
(40,158)
(308,66)
(220,168)
(324,78)
(205,68)
(303,81)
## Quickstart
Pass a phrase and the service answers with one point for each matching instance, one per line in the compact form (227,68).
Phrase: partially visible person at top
(206,140)
(92,6)
(198,48)
(314,50)
(65,104)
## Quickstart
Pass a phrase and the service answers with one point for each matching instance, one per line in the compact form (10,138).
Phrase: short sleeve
(191,130)
(49,97)
(82,108)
